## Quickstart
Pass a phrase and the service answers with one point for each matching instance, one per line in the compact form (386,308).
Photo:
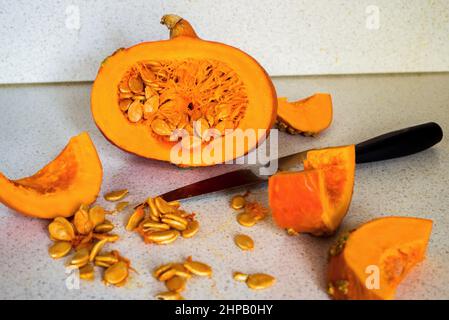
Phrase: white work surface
(66,40)
(37,121)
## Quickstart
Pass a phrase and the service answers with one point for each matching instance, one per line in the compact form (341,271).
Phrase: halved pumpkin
(370,262)
(157,99)
(317,199)
(308,116)
(71,179)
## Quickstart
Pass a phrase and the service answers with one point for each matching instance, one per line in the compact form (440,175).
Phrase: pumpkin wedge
(370,262)
(317,199)
(308,116)
(183,100)
(71,179)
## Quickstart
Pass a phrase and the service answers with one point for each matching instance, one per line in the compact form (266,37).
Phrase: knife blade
(394,144)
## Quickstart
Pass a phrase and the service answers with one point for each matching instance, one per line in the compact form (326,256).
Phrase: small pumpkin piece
(392,244)
(136,217)
(308,116)
(116,195)
(59,249)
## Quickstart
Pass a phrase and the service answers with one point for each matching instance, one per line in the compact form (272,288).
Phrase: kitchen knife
(391,145)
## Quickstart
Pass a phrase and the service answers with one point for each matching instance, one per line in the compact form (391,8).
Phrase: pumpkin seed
(135,218)
(116,273)
(154,212)
(174,224)
(139,98)
(160,127)
(61,229)
(126,95)
(167,274)
(104,227)
(174,203)
(238,202)
(97,248)
(244,242)
(87,272)
(102,264)
(198,268)
(121,205)
(97,215)
(151,105)
(82,222)
(161,269)
(108,258)
(181,271)
(163,206)
(135,84)
(191,230)
(292,232)
(124,104)
(135,111)
(59,249)
(157,226)
(81,258)
(246,219)
(116,195)
(149,92)
(260,281)
(176,284)
(175,216)
(169,296)
(123,87)
(104,236)
(160,236)
(239,276)
(146,74)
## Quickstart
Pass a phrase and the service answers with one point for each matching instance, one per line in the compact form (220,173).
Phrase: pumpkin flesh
(308,116)
(256,92)
(317,199)
(393,244)
(58,189)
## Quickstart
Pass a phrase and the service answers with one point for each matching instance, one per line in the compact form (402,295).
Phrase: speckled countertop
(37,121)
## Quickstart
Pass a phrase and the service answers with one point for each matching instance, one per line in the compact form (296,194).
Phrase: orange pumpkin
(161,95)
(308,116)
(71,179)
(317,199)
(370,262)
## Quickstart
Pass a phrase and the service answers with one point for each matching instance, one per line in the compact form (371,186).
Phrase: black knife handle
(399,143)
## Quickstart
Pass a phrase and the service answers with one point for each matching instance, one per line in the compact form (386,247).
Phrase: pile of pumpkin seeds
(161,222)
(175,276)
(87,234)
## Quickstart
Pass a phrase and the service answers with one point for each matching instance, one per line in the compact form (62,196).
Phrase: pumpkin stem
(178,26)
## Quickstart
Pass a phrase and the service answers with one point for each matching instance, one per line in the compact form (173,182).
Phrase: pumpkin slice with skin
(370,262)
(157,99)
(308,116)
(317,199)
(71,179)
